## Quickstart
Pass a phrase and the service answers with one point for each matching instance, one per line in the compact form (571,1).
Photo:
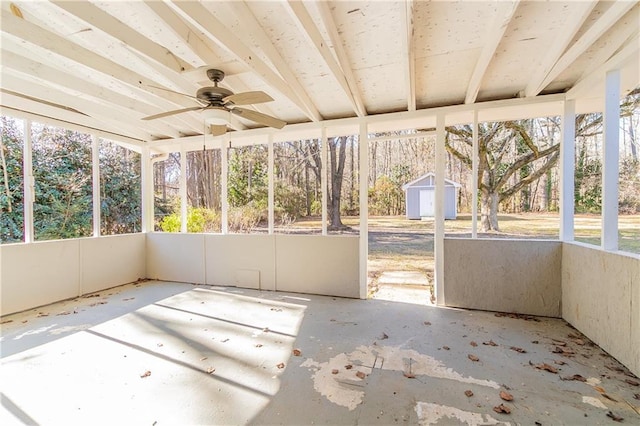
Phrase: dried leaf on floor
(614,417)
(446,348)
(575,377)
(472,343)
(259,345)
(225,340)
(564,351)
(384,336)
(348,366)
(203,358)
(506,396)
(636,395)
(210,370)
(632,382)
(468,393)
(547,367)
(473,358)
(517,349)
(145,374)
(599,389)
(490,343)
(297,352)
(535,342)
(6,321)
(334,371)
(360,375)
(427,323)
(502,409)
(42,314)
(127,299)
(559,362)
(63,313)
(281,365)
(609,397)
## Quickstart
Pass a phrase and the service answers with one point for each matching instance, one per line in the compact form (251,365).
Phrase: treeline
(518,172)
(62,176)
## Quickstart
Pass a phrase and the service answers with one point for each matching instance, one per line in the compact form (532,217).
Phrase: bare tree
(337,157)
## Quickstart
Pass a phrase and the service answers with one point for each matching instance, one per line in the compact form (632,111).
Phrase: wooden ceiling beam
(629,52)
(74,86)
(410,64)
(504,13)
(164,61)
(25,85)
(304,21)
(612,15)
(560,43)
(229,41)
(343,58)
(50,95)
(192,39)
(24,108)
(252,27)
(29,35)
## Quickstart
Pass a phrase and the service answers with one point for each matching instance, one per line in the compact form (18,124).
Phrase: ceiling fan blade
(248,98)
(174,112)
(259,117)
(218,130)
(177,93)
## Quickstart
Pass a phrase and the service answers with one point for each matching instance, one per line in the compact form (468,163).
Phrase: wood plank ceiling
(107,64)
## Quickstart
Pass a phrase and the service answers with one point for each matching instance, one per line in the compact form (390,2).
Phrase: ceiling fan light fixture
(215,116)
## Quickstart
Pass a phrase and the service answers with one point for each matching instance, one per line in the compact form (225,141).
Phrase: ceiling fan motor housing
(213,95)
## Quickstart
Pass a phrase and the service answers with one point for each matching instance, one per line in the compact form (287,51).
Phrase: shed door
(427,197)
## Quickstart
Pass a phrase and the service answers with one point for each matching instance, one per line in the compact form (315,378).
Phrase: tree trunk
(336,163)
(489,211)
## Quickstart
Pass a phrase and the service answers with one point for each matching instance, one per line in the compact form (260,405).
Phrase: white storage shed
(420,197)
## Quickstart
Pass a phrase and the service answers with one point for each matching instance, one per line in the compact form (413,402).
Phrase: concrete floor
(159,353)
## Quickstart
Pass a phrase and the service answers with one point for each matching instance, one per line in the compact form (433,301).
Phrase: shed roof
(414,182)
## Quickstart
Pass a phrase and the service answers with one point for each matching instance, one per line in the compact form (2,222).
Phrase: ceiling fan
(218,102)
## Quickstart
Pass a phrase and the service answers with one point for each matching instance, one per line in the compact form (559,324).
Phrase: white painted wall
(522,276)
(314,264)
(601,298)
(237,260)
(176,257)
(37,274)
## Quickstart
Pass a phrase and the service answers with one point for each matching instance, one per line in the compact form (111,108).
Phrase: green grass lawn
(525,225)
(399,244)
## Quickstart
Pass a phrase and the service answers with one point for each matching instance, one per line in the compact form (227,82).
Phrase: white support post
(610,161)
(146,190)
(363,174)
(323,178)
(474,177)
(439,213)
(224,155)
(271,185)
(183,189)
(28,183)
(567,170)
(95,171)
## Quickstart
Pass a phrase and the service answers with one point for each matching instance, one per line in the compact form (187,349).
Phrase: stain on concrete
(343,385)
(429,414)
